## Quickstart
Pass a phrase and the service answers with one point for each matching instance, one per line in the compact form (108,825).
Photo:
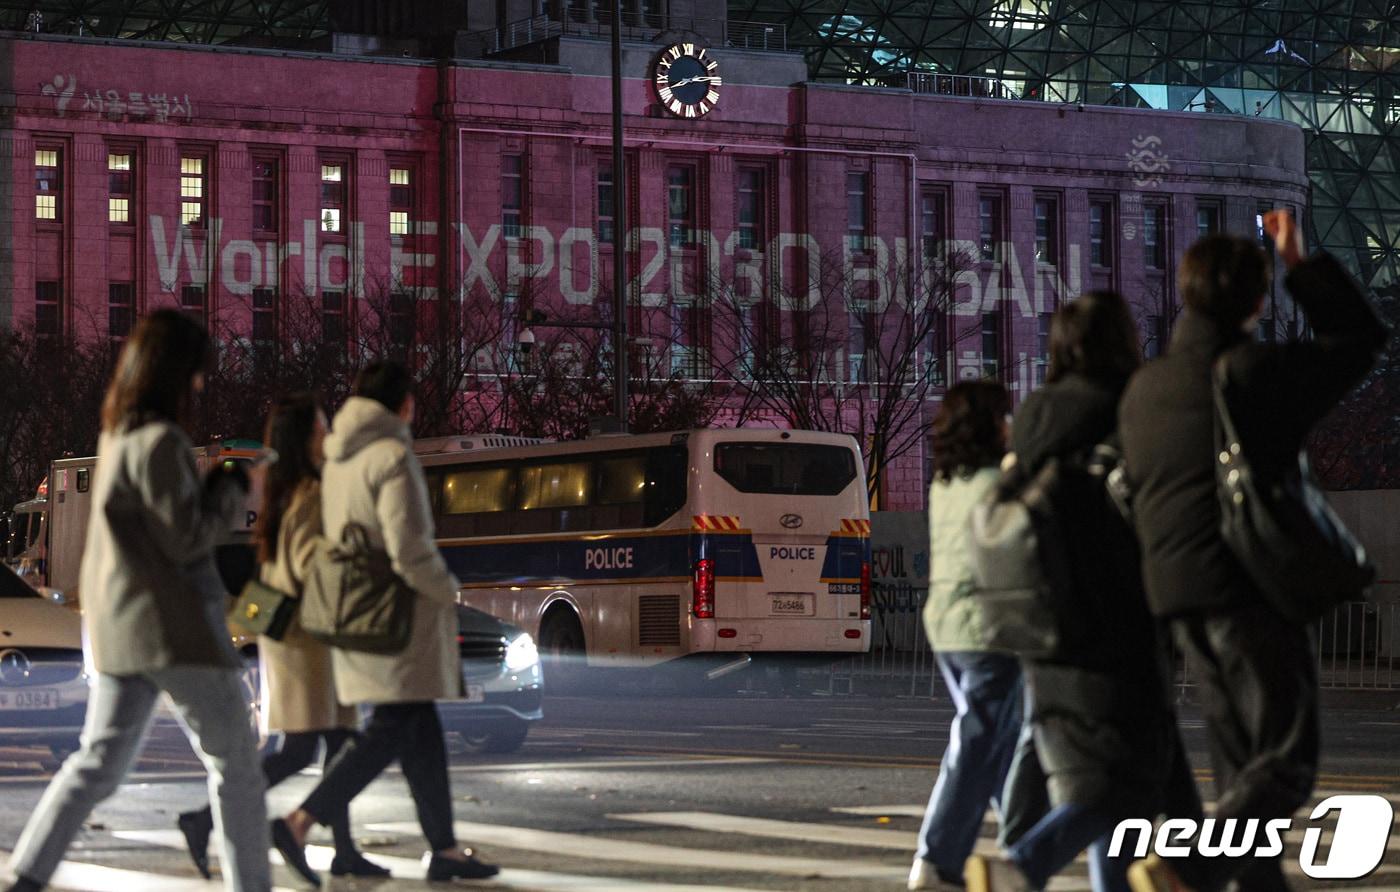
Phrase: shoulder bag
(352,598)
(1288,539)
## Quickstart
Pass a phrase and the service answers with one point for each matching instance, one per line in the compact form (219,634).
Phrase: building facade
(253,185)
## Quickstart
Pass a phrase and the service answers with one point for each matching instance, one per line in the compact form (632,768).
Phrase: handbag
(352,598)
(1283,532)
(263,610)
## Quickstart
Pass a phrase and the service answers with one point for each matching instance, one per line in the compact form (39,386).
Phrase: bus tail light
(702,589)
(865,590)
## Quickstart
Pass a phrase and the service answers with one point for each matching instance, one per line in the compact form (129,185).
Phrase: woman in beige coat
(373,479)
(298,687)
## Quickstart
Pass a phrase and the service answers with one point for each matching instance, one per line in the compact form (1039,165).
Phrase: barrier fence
(1358,646)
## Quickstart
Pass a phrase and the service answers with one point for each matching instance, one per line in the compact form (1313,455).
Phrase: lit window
(400,200)
(119,210)
(332,197)
(192,191)
(398,223)
(119,187)
(48,184)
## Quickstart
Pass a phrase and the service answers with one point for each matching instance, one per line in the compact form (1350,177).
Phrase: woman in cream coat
(298,684)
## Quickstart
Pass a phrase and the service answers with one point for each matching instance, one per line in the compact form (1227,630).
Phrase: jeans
(1258,685)
(1057,840)
(986,694)
(412,734)
(1025,798)
(210,706)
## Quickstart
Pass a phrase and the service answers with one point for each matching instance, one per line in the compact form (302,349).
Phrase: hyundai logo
(791,521)
(14,666)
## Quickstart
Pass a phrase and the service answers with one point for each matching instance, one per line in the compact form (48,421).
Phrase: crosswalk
(855,847)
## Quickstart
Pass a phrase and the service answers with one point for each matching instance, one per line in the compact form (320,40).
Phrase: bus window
(622,480)
(799,469)
(667,468)
(477,490)
(564,485)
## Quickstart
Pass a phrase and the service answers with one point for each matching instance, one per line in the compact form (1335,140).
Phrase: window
(1207,219)
(1154,235)
(478,490)
(1100,233)
(121,300)
(48,184)
(266,173)
(1156,333)
(989,216)
(48,309)
(264,316)
(561,485)
(933,223)
(936,364)
(1047,231)
(400,200)
(333,317)
(332,197)
(798,469)
(752,208)
(192,301)
(607,203)
(401,322)
(119,187)
(680,205)
(858,211)
(622,480)
(991,344)
(193,194)
(1042,346)
(512,195)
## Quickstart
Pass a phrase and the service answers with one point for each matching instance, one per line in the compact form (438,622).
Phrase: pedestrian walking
(372,478)
(153,611)
(1100,725)
(1255,669)
(969,441)
(298,691)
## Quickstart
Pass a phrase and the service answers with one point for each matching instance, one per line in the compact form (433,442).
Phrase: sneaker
(988,873)
(441,869)
(196,827)
(1152,874)
(926,875)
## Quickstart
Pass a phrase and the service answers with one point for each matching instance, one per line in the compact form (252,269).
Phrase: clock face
(687,80)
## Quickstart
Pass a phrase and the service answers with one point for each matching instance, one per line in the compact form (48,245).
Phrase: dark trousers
(297,751)
(412,734)
(1258,689)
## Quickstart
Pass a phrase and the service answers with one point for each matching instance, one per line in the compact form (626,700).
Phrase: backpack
(352,598)
(1290,542)
(1020,540)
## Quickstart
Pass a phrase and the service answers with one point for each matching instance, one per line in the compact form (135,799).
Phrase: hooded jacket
(372,477)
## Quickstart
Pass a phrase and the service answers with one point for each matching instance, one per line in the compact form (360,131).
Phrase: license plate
(41,699)
(476,693)
(791,605)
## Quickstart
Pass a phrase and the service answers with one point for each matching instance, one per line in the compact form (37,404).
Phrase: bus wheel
(561,649)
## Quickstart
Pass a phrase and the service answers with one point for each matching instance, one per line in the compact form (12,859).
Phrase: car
(43,683)
(503,682)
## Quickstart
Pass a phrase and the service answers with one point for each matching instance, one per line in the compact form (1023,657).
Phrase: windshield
(798,469)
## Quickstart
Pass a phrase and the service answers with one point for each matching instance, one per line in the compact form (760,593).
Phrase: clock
(687,80)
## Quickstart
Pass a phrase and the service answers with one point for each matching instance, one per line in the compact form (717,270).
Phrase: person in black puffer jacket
(1103,742)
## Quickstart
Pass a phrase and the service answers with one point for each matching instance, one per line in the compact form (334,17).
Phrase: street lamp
(620,215)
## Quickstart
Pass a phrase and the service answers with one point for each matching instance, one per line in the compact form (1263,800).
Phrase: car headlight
(521,653)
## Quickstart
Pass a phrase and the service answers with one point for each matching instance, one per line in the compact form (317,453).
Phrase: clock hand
(691,80)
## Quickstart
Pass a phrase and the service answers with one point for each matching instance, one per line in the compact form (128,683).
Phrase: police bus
(630,550)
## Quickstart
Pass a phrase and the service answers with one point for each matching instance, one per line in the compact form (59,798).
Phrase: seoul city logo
(1148,161)
(1357,847)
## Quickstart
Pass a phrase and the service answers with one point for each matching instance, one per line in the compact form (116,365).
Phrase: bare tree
(862,352)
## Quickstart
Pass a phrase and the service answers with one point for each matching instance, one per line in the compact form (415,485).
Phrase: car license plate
(39,699)
(791,605)
(476,693)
